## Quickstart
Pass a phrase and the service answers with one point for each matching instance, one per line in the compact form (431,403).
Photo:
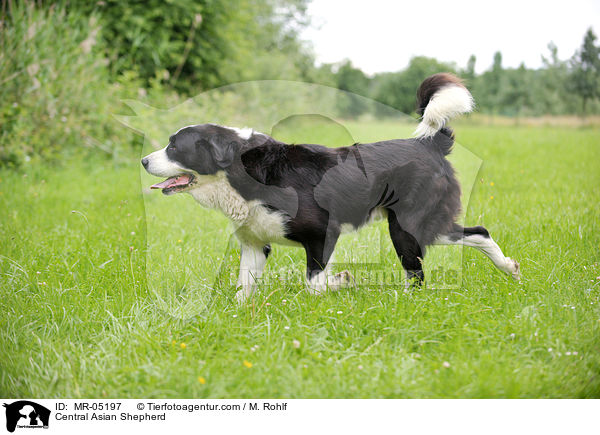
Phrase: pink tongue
(181,180)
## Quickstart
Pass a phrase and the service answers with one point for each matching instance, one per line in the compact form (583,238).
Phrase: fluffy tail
(440,98)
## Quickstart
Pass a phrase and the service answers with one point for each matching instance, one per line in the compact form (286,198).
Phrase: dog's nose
(145,162)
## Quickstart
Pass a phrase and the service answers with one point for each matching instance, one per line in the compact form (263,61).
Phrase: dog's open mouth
(174,184)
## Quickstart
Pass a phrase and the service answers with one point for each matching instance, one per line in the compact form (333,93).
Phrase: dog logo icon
(26,414)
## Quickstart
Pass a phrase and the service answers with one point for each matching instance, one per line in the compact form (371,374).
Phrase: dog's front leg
(253,260)
(319,257)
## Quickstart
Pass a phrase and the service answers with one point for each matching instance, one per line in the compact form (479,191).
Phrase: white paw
(343,278)
(514,269)
(316,289)
(318,286)
(243,295)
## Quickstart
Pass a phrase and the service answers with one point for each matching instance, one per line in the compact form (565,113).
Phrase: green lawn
(109,292)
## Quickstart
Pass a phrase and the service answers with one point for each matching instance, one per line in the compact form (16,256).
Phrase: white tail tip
(448,101)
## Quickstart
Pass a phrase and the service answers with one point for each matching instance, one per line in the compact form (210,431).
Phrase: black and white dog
(308,195)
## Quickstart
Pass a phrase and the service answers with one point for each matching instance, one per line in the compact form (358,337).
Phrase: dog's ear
(222,152)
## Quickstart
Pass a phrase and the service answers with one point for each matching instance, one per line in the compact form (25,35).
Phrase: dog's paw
(242,296)
(316,290)
(330,283)
(514,269)
(344,278)
(413,284)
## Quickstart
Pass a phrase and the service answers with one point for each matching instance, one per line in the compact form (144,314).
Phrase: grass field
(83,316)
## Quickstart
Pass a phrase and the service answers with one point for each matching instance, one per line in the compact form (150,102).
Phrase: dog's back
(344,186)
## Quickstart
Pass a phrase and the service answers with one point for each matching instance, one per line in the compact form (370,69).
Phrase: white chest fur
(252,222)
(214,191)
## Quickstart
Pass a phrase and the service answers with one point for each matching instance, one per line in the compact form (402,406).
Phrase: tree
(515,96)
(585,73)
(353,80)
(469,72)
(488,87)
(552,95)
(398,90)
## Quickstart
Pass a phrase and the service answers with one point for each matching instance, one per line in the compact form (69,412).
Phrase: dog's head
(194,153)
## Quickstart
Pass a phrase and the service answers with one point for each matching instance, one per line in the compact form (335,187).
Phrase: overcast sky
(378,35)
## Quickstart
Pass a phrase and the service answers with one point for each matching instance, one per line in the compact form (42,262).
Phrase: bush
(55,94)
(196,45)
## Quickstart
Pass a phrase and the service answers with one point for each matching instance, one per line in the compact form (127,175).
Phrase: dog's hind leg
(408,250)
(480,239)
(252,264)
